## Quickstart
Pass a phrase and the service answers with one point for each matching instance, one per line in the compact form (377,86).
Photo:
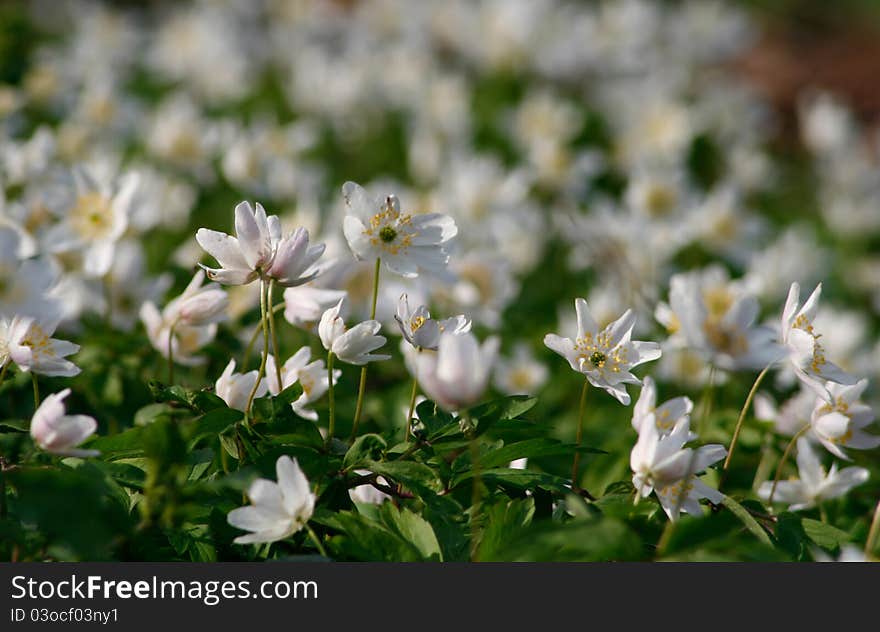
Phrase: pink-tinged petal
(253,241)
(224,248)
(811,305)
(230,276)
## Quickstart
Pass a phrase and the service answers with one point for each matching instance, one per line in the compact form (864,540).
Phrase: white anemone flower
(521,373)
(661,463)
(312,377)
(95,222)
(406,243)
(604,357)
(234,388)
(422,331)
(838,421)
(35,350)
(277,510)
(355,345)
(59,433)
(814,485)
(714,316)
(666,415)
(457,374)
(259,250)
(801,339)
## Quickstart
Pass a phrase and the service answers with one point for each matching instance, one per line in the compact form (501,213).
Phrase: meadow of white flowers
(387,280)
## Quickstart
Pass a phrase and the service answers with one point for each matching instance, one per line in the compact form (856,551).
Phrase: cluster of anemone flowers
(729,381)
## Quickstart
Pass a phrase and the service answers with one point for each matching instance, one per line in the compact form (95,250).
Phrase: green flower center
(387,234)
(597,358)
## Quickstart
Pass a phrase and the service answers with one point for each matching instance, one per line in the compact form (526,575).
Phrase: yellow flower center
(92,217)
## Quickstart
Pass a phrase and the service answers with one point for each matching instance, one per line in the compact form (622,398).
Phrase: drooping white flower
(189,319)
(355,345)
(814,485)
(604,357)
(407,244)
(59,433)
(37,351)
(805,351)
(422,331)
(839,420)
(277,510)
(235,388)
(661,463)
(521,374)
(666,415)
(312,377)
(457,374)
(259,250)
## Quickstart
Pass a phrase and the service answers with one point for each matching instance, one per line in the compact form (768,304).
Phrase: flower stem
(274,338)
(36,390)
(873,532)
(262,370)
(577,442)
(250,345)
(412,408)
(331,398)
(784,460)
(3,371)
(317,541)
(742,416)
(363,384)
(171,354)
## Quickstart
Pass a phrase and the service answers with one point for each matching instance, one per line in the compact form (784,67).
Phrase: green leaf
(520,479)
(413,529)
(125,444)
(746,518)
(214,423)
(413,475)
(149,413)
(824,535)
(365,449)
(504,520)
(15,425)
(530,448)
(576,541)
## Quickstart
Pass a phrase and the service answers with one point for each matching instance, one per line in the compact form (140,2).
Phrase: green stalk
(412,408)
(36,390)
(784,460)
(332,399)
(363,384)
(274,338)
(742,416)
(262,370)
(171,355)
(577,442)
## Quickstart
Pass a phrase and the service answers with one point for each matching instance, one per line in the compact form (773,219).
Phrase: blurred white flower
(456,375)
(716,317)
(312,377)
(59,433)
(793,415)
(604,357)
(234,388)
(277,510)
(814,485)
(521,374)
(96,220)
(406,244)
(355,345)
(37,351)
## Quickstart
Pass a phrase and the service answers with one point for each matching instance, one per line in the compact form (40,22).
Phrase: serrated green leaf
(365,449)
(825,535)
